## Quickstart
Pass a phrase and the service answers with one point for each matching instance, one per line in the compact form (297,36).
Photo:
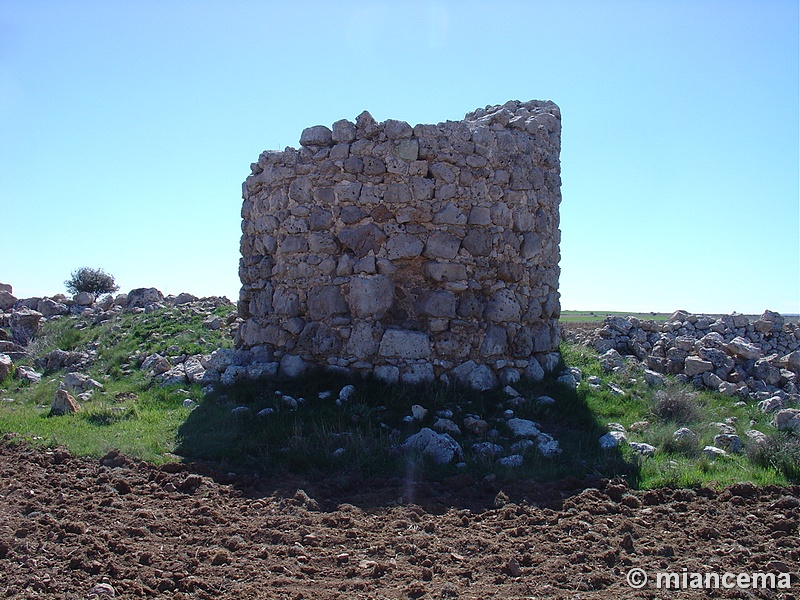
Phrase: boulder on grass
(63,404)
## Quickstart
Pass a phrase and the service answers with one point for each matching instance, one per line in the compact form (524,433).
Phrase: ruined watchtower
(409,252)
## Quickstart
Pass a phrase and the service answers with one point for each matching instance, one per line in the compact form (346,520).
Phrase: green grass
(362,437)
(131,413)
(667,409)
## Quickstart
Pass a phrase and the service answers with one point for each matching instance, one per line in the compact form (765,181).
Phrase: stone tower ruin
(408,252)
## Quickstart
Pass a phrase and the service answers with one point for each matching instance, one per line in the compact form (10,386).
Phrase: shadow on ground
(279,435)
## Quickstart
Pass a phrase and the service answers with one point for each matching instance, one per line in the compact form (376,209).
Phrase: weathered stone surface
(370,296)
(343,131)
(292,366)
(63,404)
(479,377)
(401,343)
(534,370)
(27,374)
(404,246)
(49,307)
(7,300)
(442,272)
(143,297)
(741,348)
(440,448)
(362,240)
(24,325)
(787,419)
(83,299)
(326,301)
(437,304)
(364,340)
(523,428)
(6,366)
(613,439)
(694,365)
(503,307)
(442,245)
(319,135)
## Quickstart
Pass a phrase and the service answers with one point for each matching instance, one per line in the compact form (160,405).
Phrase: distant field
(586,316)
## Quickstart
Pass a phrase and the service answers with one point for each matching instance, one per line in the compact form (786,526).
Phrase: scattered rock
(612,439)
(713,452)
(24,325)
(642,448)
(729,442)
(63,404)
(475,426)
(787,419)
(6,366)
(441,448)
(25,373)
(523,428)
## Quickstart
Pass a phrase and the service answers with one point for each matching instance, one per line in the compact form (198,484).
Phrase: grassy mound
(279,426)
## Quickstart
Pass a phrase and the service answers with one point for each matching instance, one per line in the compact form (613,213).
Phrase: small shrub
(93,281)
(781,452)
(676,405)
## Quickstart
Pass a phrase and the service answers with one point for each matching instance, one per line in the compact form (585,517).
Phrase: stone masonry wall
(410,252)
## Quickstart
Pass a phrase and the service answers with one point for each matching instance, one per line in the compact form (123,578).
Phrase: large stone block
(437,304)
(370,296)
(325,301)
(403,246)
(503,307)
(402,343)
(362,240)
(441,244)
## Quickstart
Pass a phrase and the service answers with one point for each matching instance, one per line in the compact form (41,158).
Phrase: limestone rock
(406,344)
(144,297)
(787,419)
(694,365)
(24,325)
(7,300)
(512,461)
(6,366)
(446,426)
(547,446)
(292,366)
(612,439)
(370,296)
(440,448)
(713,452)
(63,404)
(319,135)
(534,371)
(729,442)
(741,348)
(684,435)
(25,373)
(83,299)
(49,308)
(523,428)
(479,377)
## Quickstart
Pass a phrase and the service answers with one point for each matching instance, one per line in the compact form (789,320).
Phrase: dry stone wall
(409,252)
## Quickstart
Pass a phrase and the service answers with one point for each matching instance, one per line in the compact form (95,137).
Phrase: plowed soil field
(77,528)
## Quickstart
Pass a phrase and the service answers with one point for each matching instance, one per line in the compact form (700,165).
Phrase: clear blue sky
(127,128)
